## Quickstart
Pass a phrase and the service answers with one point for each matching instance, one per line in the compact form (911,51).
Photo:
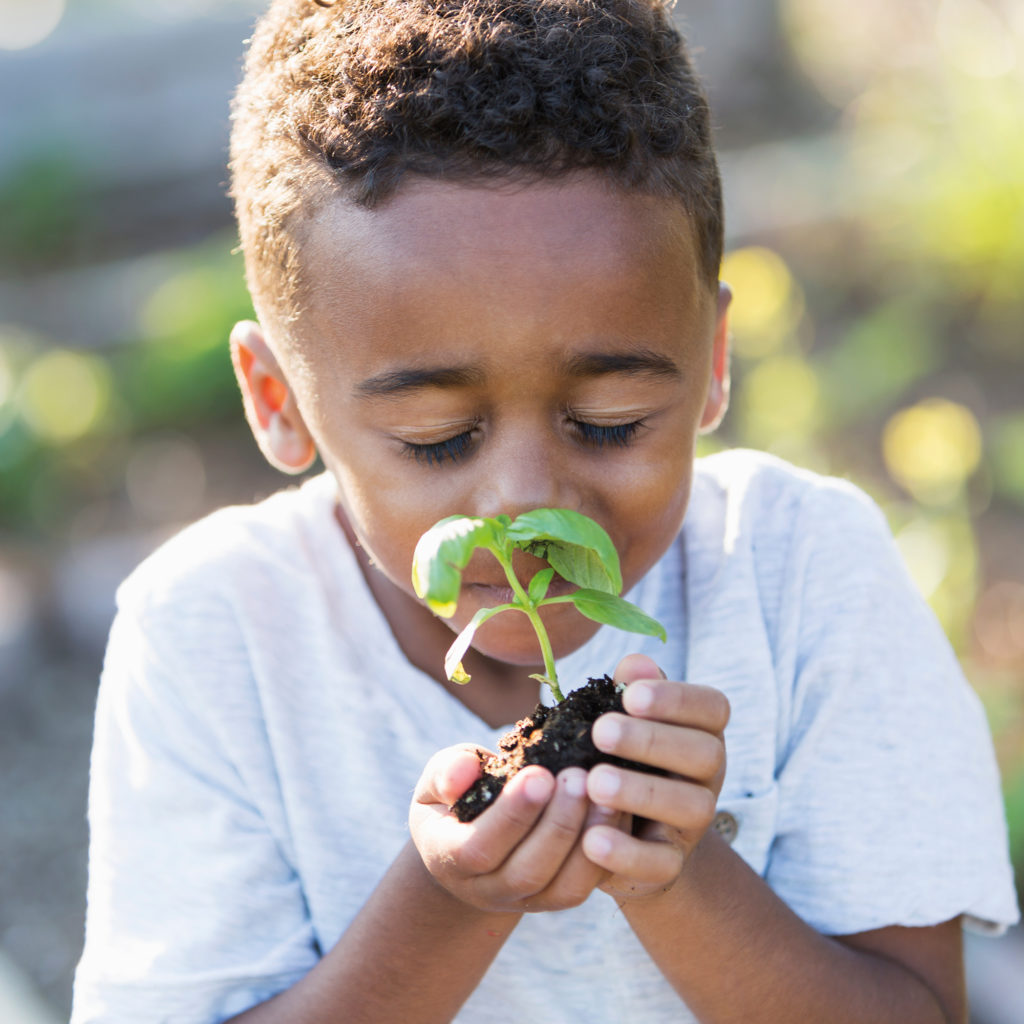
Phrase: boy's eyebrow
(640,361)
(394,383)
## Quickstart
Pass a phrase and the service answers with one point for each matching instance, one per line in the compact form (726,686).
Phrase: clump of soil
(555,738)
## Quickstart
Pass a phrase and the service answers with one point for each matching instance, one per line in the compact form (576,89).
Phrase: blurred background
(873,155)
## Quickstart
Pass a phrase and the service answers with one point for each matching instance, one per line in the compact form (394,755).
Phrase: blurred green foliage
(68,417)
(42,206)
(890,347)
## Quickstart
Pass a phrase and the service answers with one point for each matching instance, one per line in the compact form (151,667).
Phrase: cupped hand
(525,852)
(674,726)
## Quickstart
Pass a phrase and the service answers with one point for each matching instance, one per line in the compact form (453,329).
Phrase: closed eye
(618,435)
(451,449)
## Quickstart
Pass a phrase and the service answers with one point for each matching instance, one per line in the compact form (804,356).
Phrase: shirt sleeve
(890,810)
(194,910)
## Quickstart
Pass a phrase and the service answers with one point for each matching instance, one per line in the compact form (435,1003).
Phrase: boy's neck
(500,693)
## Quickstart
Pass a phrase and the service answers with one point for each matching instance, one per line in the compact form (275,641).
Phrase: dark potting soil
(556,738)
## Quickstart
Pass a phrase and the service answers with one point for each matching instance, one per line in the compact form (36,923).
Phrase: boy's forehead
(434,230)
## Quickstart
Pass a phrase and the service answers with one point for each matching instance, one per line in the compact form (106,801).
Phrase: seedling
(572,544)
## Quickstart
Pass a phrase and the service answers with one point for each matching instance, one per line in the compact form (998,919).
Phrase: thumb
(448,774)
(637,666)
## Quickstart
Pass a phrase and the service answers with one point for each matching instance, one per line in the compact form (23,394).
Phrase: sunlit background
(874,163)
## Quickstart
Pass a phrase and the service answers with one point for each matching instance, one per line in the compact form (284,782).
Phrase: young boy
(483,241)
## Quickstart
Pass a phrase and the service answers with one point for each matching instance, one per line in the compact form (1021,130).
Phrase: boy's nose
(525,475)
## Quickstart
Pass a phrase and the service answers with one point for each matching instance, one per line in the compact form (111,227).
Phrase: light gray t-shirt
(239,820)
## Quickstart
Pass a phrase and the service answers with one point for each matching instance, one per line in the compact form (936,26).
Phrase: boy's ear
(270,406)
(718,393)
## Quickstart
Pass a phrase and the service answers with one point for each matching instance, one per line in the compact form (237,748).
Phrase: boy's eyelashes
(452,449)
(617,435)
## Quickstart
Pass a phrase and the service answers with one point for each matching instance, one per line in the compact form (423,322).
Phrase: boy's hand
(670,725)
(524,853)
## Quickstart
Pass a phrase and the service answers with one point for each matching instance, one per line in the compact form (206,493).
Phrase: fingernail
(537,788)
(604,783)
(638,698)
(607,732)
(574,781)
(597,844)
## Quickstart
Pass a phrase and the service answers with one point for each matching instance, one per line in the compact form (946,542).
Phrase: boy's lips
(492,594)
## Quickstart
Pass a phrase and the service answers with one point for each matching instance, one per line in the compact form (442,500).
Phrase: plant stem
(530,609)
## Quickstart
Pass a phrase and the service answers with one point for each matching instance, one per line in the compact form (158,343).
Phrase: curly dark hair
(350,97)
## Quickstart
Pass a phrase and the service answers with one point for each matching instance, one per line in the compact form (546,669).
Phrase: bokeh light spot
(975,39)
(779,398)
(179,305)
(64,395)
(766,303)
(932,448)
(6,379)
(925,550)
(24,23)
(841,55)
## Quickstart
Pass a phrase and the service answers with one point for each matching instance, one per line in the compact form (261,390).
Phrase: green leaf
(615,611)
(577,548)
(584,567)
(539,585)
(441,555)
(453,659)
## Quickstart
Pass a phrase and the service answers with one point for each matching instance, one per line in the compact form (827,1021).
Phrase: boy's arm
(735,953)
(729,946)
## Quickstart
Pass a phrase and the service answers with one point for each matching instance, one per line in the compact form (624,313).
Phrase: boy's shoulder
(235,548)
(746,498)
(759,477)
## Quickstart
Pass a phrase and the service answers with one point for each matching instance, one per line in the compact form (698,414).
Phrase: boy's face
(473,350)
